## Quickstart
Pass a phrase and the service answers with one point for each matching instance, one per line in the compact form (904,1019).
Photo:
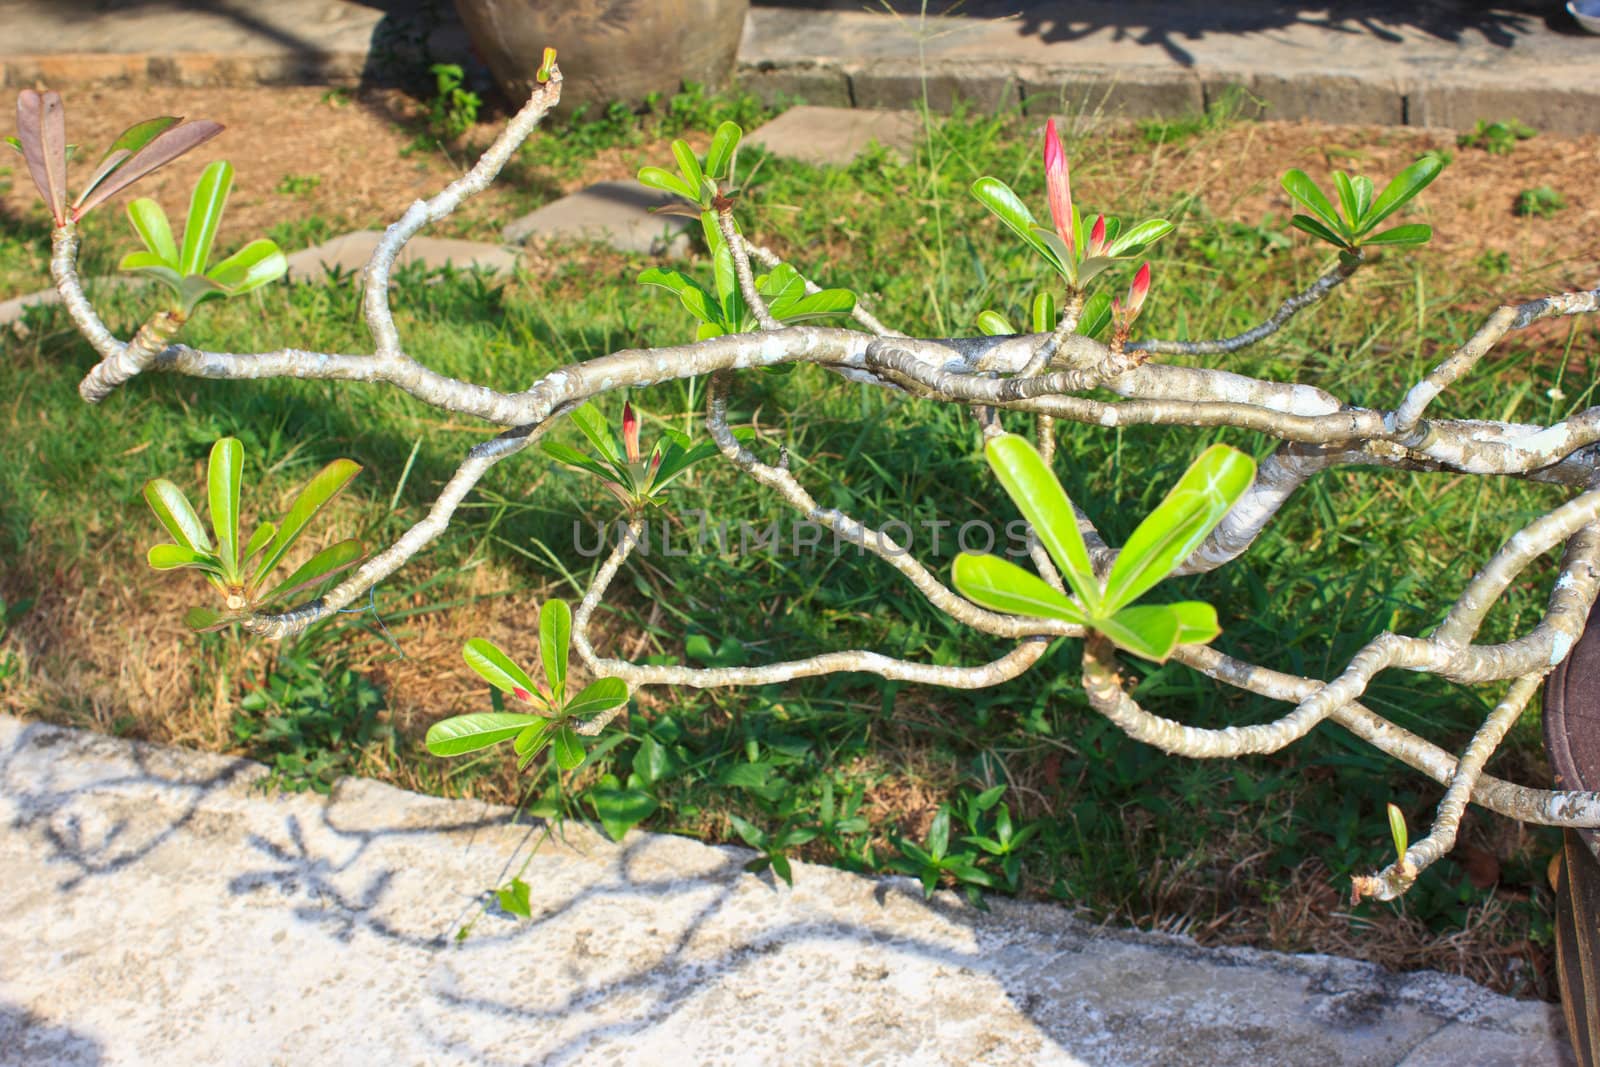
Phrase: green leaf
(1347,198)
(1398,831)
(1298,185)
(1406,185)
(222,487)
(1033,487)
(531,741)
(469,733)
(727,279)
(206,620)
(258,541)
(128,142)
(701,304)
(997,196)
(1363,191)
(555,633)
(1096,315)
(1170,533)
(205,215)
(1148,630)
(322,488)
(1318,230)
(171,557)
(1139,238)
(1197,622)
(602,694)
(176,514)
(256,264)
(826,302)
(724,146)
(319,568)
(496,667)
(193,288)
(150,264)
(619,810)
(667,182)
(573,458)
(1044,312)
(1412,233)
(515,899)
(994,324)
(151,224)
(592,424)
(568,748)
(690,167)
(677,459)
(1056,251)
(1001,585)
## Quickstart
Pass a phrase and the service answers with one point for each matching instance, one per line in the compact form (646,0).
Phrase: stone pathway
(1444,63)
(157,906)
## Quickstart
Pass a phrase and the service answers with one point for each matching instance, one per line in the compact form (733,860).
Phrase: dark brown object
(1572,740)
(607,49)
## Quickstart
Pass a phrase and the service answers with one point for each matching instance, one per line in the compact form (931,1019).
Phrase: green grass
(851,769)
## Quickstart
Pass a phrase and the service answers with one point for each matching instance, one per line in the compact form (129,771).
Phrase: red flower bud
(522,694)
(630,432)
(1097,237)
(1058,182)
(1138,291)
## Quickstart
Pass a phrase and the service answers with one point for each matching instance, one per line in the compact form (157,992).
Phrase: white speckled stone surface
(157,907)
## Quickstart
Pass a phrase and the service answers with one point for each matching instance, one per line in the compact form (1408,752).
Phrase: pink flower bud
(1058,182)
(1097,237)
(522,694)
(630,432)
(1138,291)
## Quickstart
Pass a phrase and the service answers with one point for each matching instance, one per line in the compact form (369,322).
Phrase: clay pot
(608,49)
(1572,741)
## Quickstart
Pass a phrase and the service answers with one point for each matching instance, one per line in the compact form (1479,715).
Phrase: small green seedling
(1074,251)
(1352,229)
(240,573)
(185,270)
(773,847)
(1496,138)
(635,481)
(1540,203)
(140,149)
(932,862)
(695,183)
(1166,538)
(555,713)
(725,312)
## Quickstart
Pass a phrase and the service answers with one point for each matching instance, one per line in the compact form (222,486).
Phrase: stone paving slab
(1447,62)
(350,252)
(158,907)
(836,135)
(617,213)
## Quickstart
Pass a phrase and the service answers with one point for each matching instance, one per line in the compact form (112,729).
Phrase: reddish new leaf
(162,149)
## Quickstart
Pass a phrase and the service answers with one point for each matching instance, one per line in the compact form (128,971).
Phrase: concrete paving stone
(898,85)
(157,906)
(1280,97)
(809,83)
(1542,105)
(615,212)
(350,252)
(836,135)
(1112,94)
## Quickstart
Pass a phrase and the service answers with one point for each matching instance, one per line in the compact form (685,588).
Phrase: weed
(297,185)
(453,109)
(1496,138)
(310,721)
(1540,203)
(10,663)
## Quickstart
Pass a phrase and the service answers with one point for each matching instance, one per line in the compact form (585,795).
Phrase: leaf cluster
(1166,537)
(1079,264)
(636,483)
(1351,227)
(186,271)
(240,571)
(555,711)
